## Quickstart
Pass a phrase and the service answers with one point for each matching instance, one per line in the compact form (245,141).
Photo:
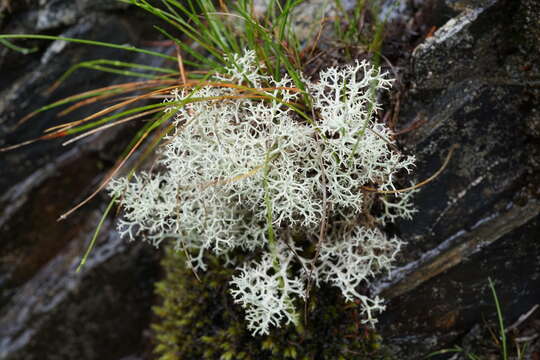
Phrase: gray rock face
(474,86)
(99,313)
(47,310)
(55,13)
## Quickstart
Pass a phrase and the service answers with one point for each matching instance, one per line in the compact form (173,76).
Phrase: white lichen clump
(243,170)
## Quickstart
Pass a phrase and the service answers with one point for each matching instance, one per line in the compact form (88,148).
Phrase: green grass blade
(72,99)
(504,351)
(143,132)
(96,234)
(455,349)
(204,61)
(96,65)
(170,8)
(204,34)
(93,124)
(24,51)
(87,42)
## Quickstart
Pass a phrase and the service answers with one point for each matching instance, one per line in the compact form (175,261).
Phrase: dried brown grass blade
(114,107)
(31,141)
(106,180)
(106,88)
(420,184)
(105,96)
(110,125)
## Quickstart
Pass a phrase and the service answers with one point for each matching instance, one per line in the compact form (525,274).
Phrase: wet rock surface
(99,313)
(47,310)
(474,88)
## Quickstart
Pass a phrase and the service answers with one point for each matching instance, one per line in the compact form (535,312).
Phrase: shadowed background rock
(474,83)
(47,311)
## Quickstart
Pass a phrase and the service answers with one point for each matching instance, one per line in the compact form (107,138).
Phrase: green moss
(198,320)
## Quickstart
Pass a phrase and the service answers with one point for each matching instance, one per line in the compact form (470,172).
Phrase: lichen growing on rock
(245,168)
(198,320)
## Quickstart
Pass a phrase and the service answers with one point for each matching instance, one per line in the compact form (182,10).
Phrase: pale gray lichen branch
(236,162)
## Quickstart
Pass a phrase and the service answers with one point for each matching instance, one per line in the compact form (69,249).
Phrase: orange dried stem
(89,92)
(420,184)
(106,180)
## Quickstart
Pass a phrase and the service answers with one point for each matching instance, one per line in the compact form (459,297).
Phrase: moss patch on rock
(199,320)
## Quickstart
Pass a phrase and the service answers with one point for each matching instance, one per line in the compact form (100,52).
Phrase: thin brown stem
(420,184)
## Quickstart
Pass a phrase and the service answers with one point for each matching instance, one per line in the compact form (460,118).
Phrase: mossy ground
(198,320)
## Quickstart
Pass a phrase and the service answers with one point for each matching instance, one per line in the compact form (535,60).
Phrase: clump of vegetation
(245,171)
(288,177)
(198,320)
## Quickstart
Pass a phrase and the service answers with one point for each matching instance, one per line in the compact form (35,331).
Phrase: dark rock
(25,84)
(55,13)
(531,20)
(474,86)
(461,5)
(47,310)
(99,313)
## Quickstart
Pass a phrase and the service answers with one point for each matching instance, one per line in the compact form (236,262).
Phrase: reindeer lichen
(243,170)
